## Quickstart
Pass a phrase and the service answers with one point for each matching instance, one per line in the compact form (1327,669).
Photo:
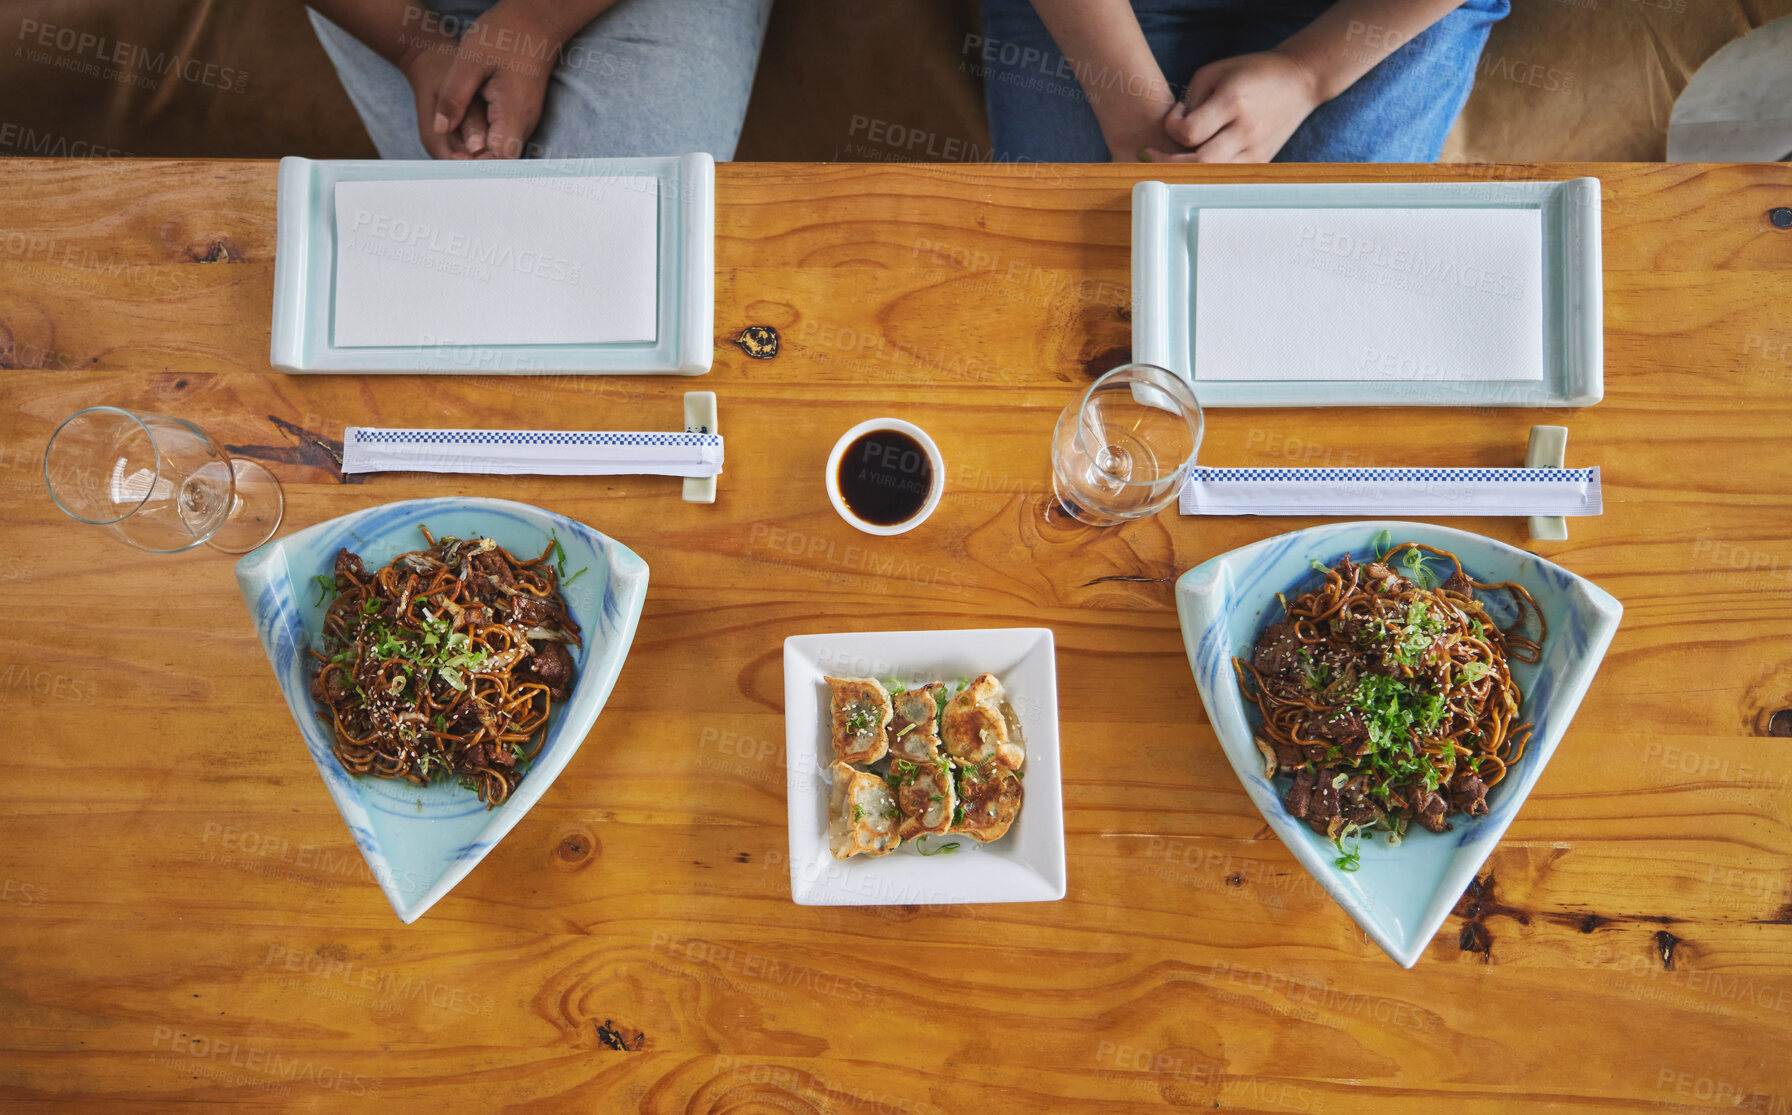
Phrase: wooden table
(186,919)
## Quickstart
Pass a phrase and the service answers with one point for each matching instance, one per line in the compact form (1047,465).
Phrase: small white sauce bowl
(936,462)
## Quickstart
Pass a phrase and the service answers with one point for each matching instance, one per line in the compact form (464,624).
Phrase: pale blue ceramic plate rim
(301,340)
(274,593)
(1164,280)
(1205,603)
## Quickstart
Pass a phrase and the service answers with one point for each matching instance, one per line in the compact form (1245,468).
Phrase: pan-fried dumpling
(924,795)
(862,816)
(991,798)
(976,728)
(912,732)
(861,713)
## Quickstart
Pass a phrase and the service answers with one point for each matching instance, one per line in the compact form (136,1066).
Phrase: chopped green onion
(326,586)
(559,555)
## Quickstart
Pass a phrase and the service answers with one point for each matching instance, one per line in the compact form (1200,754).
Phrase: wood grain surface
(186,921)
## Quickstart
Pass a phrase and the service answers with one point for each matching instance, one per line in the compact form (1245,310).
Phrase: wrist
(1134,124)
(1313,76)
(546,23)
(418,46)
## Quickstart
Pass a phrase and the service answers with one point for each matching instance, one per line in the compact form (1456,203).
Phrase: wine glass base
(1089,518)
(1082,514)
(256,513)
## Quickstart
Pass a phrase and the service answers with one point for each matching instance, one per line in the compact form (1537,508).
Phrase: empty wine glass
(160,483)
(1122,451)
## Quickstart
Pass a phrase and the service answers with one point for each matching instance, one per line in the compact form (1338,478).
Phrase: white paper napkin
(497,261)
(1368,294)
(1405,491)
(531,452)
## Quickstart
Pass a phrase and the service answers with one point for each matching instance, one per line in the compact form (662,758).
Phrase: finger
(473,127)
(1225,147)
(459,85)
(1204,122)
(515,108)
(1201,86)
(454,147)
(435,144)
(1176,124)
(1207,109)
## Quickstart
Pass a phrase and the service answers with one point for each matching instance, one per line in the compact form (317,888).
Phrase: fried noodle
(445,663)
(1387,701)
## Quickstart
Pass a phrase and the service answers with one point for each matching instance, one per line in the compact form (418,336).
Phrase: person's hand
(426,63)
(1240,110)
(1134,125)
(1148,143)
(501,68)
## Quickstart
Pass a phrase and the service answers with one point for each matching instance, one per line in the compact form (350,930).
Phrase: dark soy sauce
(884,477)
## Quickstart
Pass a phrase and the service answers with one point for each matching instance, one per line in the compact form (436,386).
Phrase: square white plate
(1027,865)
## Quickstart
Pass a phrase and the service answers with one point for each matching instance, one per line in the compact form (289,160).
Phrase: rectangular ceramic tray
(305,271)
(1163,283)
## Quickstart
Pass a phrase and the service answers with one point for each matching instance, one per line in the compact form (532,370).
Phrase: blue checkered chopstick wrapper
(1405,491)
(531,452)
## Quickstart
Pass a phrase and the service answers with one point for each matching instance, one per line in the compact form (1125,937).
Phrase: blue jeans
(648,77)
(1398,112)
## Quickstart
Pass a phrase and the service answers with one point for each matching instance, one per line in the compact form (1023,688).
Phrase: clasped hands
(480,94)
(1238,110)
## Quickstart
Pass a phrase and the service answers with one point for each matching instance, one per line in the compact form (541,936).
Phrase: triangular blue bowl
(420,841)
(1399,895)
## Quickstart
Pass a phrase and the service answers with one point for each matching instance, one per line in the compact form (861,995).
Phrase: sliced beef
(527,610)
(495,565)
(1459,584)
(1300,795)
(349,565)
(1359,813)
(1468,794)
(331,688)
(465,717)
(552,666)
(1432,808)
(1324,805)
(1347,728)
(1278,649)
(1289,755)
